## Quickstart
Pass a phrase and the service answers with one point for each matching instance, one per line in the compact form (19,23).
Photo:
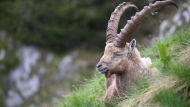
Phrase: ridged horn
(111,32)
(136,20)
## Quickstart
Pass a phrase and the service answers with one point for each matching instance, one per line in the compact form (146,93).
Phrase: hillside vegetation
(168,89)
(55,25)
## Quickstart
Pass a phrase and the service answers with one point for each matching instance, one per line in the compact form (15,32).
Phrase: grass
(91,96)
(168,89)
(169,98)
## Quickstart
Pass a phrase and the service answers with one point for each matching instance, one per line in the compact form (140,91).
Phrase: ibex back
(121,62)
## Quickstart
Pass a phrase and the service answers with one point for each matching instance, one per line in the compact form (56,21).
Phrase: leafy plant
(164,57)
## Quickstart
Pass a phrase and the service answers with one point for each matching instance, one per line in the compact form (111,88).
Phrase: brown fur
(121,71)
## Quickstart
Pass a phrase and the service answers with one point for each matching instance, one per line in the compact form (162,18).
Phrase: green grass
(90,96)
(169,98)
(168,89)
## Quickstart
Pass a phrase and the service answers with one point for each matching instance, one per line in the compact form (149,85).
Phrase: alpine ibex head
(118,54)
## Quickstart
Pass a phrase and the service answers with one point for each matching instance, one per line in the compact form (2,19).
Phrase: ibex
(121,62)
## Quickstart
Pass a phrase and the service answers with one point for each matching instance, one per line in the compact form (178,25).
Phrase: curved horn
(111,32)
(137,19)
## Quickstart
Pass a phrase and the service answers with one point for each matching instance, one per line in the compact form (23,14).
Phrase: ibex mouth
(103,71)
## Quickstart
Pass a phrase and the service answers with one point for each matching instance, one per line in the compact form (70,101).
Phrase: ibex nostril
(98,65)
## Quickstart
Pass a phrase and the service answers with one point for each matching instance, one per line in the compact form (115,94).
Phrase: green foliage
(90,96)
(169,98)
(9,61)
(179,70)
(164,57)
(64,24)
(3,95)
(181,37)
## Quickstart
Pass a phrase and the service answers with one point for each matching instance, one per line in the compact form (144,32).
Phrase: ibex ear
(132,45)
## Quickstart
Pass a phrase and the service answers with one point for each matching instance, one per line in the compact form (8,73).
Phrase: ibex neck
(123,81)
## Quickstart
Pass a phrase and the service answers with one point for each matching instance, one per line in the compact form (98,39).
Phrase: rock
(29,57)
(163,25)
(13,99)
(2,54)
(181,18)
(49,58)
(55,100)
(66,65)
(32,105)
(28,87)
(171,30)
(2,35)
(41,71)
(186,15)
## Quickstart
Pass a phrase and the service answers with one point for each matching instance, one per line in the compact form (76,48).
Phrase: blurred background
(50,47)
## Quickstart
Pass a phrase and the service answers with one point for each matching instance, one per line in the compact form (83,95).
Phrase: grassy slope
(169,89)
